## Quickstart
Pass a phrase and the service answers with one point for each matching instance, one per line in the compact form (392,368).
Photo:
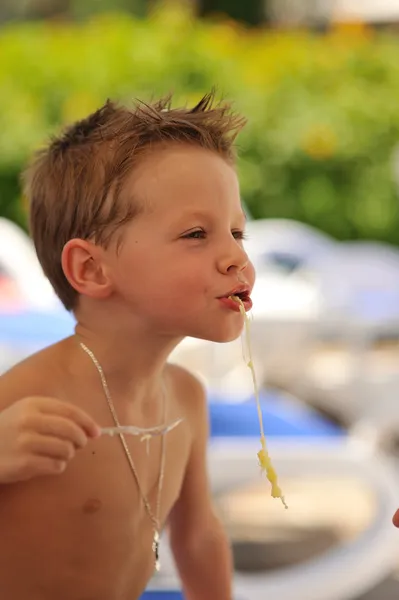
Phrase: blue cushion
(35,327)
(280,419)
(162,595)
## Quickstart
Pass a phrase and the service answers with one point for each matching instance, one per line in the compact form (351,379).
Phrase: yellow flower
(79,105)
(357,30)
(319,142)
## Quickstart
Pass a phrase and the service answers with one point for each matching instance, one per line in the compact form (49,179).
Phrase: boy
(137,222)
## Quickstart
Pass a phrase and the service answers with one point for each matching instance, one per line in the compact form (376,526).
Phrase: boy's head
(86,189)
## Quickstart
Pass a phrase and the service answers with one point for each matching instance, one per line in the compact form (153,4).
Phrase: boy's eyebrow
(201,214)
(243,216)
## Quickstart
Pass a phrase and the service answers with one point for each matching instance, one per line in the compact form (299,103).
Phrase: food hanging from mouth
(231,300)
(263,455)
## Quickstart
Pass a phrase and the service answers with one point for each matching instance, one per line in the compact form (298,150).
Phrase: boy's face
(184,251)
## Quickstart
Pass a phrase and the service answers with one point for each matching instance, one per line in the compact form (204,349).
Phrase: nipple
(92,505)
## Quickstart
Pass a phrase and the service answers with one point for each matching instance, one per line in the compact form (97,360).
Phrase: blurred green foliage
(250,12)
(323,111)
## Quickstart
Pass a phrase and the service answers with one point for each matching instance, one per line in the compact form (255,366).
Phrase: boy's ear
(84,268)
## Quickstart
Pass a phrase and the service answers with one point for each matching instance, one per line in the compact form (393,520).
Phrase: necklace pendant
(155,549)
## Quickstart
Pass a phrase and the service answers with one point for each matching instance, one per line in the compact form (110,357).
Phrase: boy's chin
(220,337)
(225,339)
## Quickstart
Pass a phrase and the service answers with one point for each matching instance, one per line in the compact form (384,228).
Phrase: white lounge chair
(19,261)
(343,573)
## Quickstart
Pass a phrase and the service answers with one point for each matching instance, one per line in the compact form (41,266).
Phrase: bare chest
(90,526)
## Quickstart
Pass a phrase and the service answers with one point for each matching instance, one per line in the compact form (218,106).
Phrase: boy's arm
(198,542)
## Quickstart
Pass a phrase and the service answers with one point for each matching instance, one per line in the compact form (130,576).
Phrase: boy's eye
(198,234)
(239,235)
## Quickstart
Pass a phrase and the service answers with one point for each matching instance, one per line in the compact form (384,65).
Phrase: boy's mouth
(230,300)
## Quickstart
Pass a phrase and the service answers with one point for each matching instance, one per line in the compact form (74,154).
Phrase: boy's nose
(235,260)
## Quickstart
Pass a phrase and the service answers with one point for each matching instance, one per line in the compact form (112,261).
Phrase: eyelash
(238,235)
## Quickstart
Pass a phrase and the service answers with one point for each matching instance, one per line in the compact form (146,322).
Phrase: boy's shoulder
(188,390)
(185,377)
(32,376)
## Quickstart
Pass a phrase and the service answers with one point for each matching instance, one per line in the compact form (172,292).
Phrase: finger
(74,413)
(50,447)
(59,427)
(41,465)
(395,519)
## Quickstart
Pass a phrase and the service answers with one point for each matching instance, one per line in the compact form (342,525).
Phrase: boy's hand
(39,436)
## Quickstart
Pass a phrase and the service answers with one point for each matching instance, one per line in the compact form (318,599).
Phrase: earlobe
(82,264)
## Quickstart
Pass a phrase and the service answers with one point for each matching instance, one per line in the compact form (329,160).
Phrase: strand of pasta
(263,455)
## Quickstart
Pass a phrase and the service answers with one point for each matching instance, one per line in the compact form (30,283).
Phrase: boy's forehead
(181,174)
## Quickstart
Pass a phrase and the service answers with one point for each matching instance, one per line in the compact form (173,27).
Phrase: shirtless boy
(137,222)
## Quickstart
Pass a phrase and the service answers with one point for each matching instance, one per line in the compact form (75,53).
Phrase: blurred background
(319,170)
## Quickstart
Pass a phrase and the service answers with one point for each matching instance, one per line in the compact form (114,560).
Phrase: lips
(241,292)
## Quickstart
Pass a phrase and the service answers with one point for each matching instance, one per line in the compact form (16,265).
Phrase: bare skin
(84,534)
(81,532)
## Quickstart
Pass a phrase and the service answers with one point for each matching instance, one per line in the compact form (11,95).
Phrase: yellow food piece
(263,455)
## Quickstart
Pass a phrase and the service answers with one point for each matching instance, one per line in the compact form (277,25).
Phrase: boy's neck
(133,362)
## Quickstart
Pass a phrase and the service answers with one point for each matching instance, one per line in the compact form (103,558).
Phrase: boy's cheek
(250,274)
